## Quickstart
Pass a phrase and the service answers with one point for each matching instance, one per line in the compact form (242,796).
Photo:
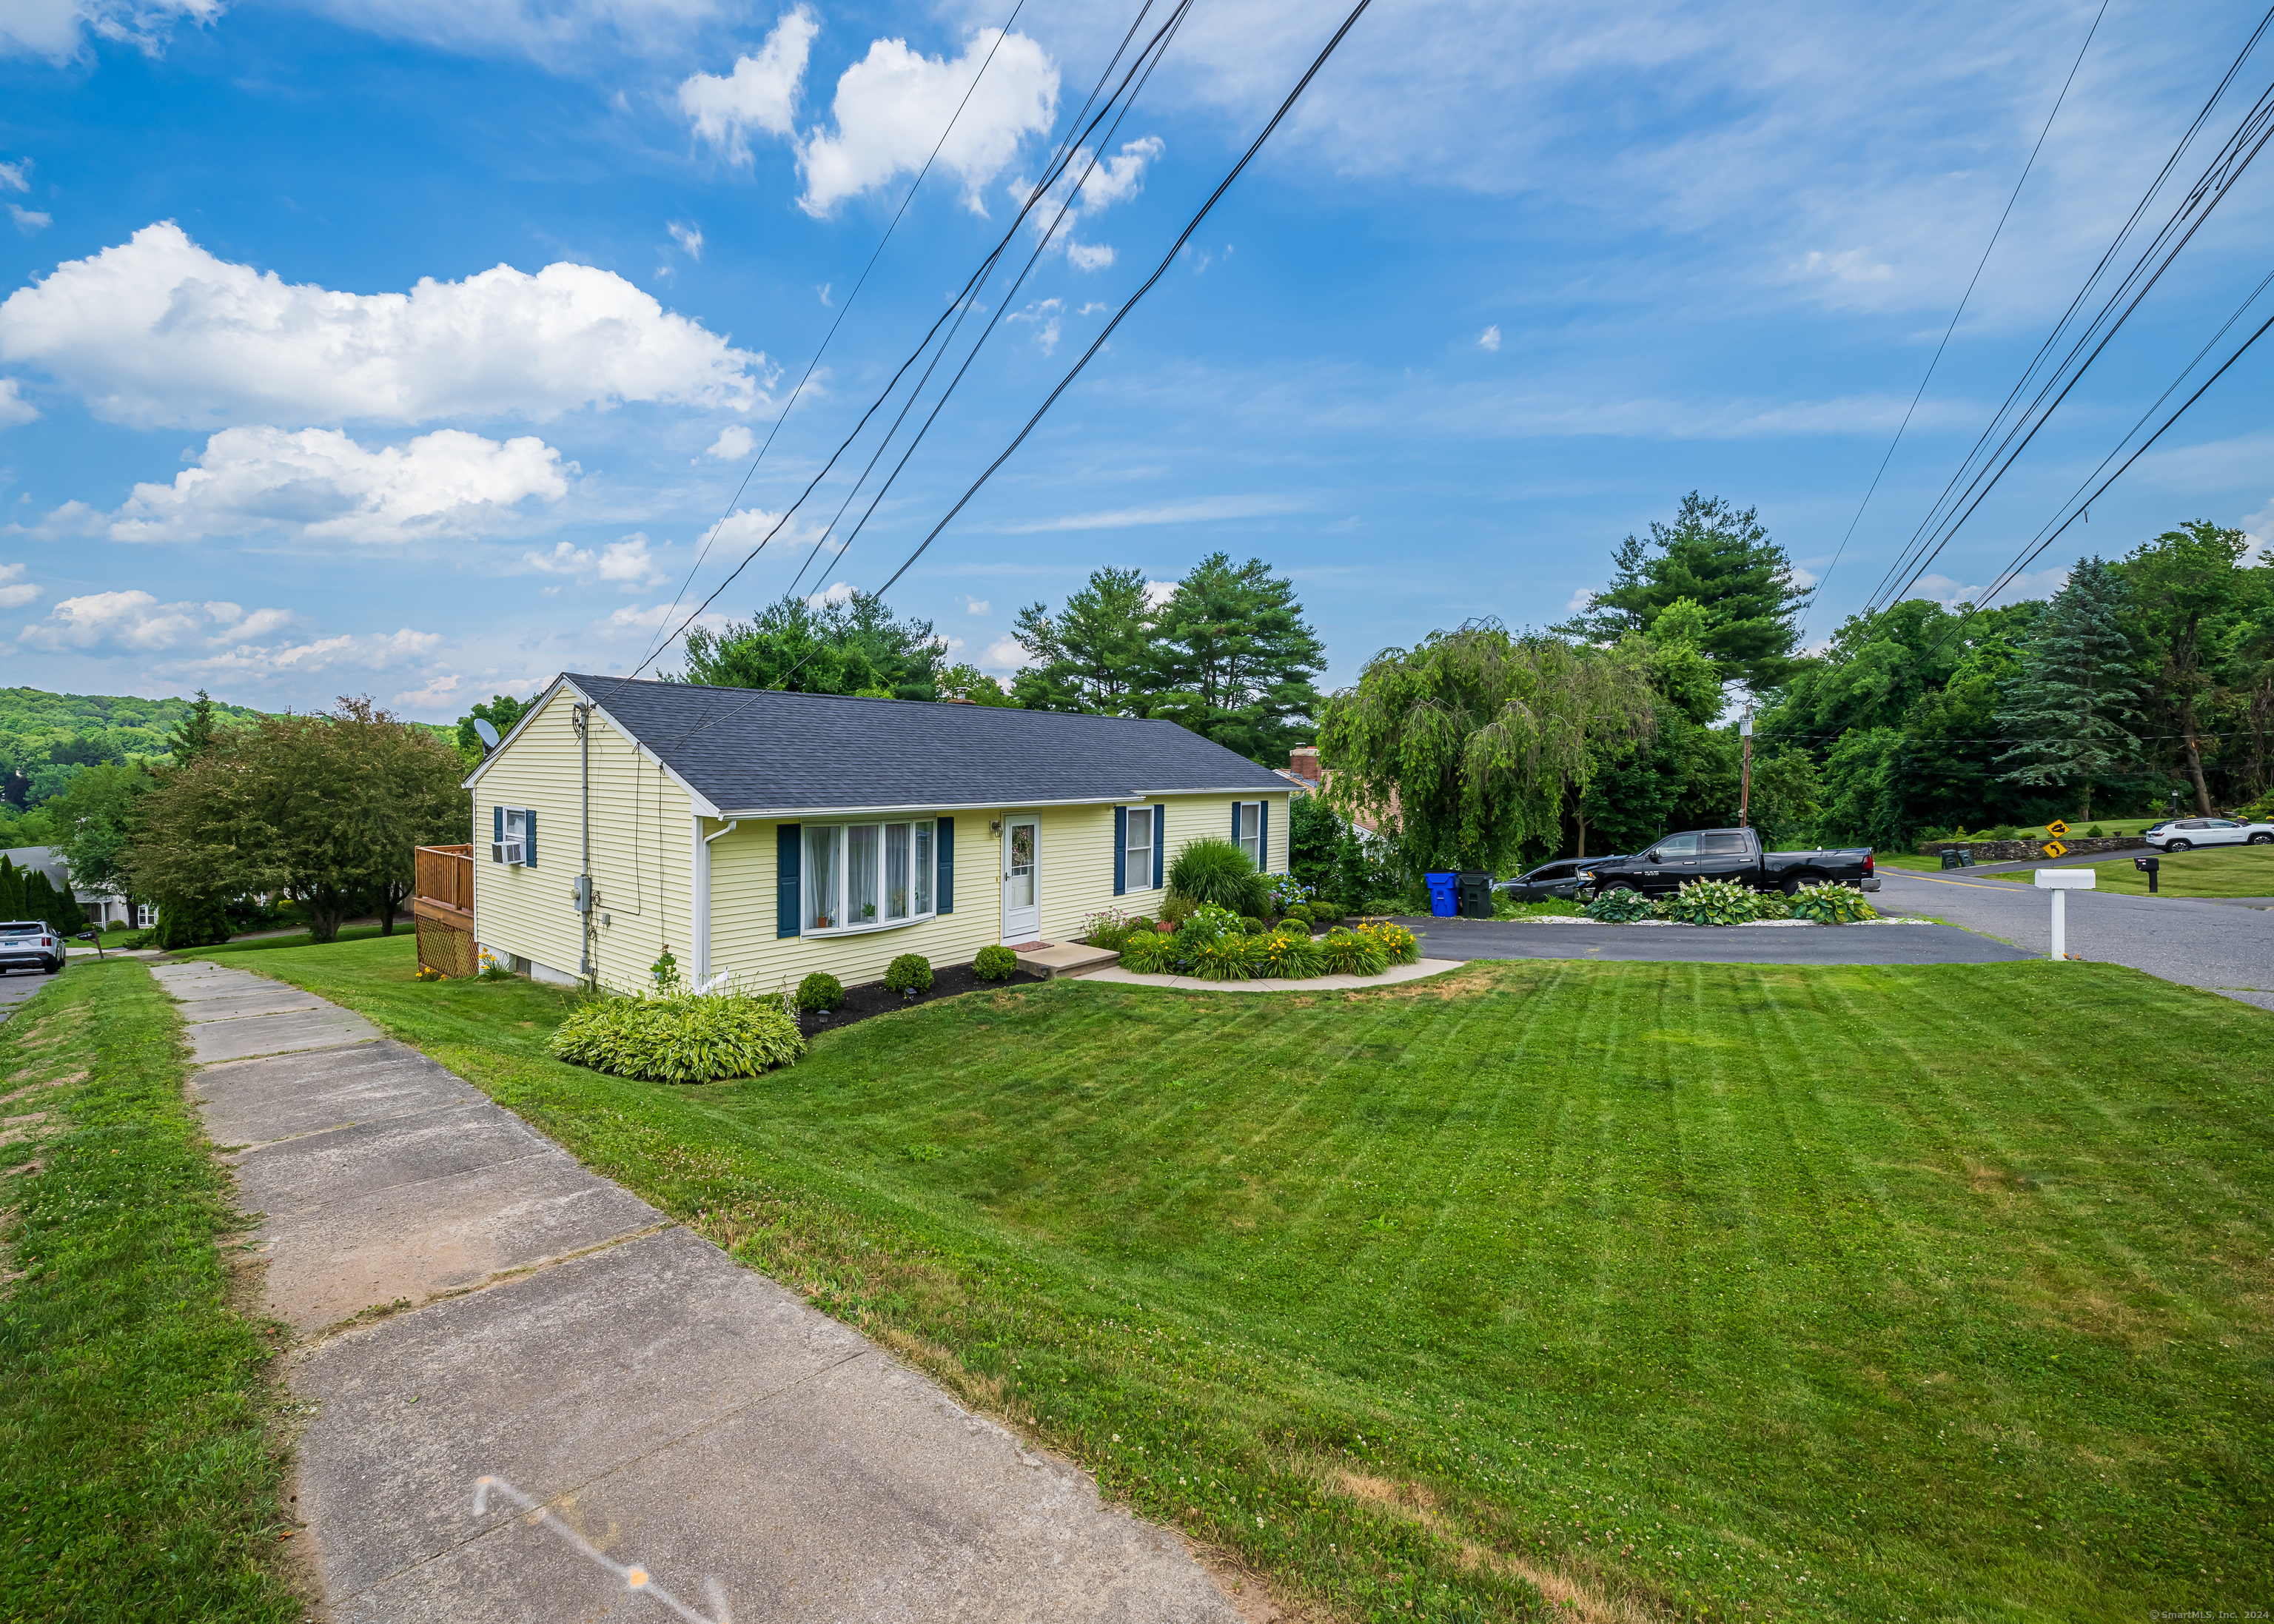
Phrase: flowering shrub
(1149,954)
(1103,930)
(1620,906)
(681,1040)
(1289,955)
(1399,945)
(493,968)
(1352,952)
(427,973)
(1232,956)
(1830,904)
(1288,894)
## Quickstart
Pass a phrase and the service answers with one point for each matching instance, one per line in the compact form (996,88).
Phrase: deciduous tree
(805,646)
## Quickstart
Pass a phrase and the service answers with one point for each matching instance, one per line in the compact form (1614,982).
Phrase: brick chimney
(1303,761)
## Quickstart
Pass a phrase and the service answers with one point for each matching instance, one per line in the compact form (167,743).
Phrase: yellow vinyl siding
(1074,867)
(642,855)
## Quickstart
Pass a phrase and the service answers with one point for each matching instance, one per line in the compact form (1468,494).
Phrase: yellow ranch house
(761,836)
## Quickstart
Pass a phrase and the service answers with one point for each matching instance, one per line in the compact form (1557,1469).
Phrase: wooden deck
(442,909)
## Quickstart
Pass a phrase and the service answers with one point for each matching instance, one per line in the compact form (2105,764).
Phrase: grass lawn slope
(1682,1290)
(2221,871)
(138,1479)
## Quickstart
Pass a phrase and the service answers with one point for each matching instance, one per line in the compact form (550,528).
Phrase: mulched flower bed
(875,998)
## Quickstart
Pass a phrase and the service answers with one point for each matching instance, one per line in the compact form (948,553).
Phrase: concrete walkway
(534,1397)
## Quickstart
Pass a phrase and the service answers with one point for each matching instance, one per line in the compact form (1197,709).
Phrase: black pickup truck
(1730,855)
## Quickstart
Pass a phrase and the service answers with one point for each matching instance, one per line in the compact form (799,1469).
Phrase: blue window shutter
(1121,850)
(788,904)
(1160,839)
(497,834)
(529,837)
(1263,835)
(1235,823)
(944,893)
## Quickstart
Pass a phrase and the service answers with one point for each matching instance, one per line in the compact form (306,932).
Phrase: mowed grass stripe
(1701,1284)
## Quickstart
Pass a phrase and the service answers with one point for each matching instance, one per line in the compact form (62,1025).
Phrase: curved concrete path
(534,1397)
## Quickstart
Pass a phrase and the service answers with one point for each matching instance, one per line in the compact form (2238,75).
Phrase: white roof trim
(701,802)
(787,813)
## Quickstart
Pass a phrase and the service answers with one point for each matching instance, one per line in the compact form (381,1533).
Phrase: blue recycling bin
(1444,894)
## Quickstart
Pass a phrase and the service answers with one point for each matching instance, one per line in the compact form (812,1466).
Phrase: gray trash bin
(1474,890)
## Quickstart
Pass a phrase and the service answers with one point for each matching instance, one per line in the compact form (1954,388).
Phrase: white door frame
(1017,932)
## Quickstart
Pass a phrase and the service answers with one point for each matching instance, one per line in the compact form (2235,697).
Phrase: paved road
(1889,944)
(582,1409)
(16,985)
(2218,945)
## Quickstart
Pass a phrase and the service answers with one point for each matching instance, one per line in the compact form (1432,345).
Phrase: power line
(844,310)
(1964,299)
(1073,371)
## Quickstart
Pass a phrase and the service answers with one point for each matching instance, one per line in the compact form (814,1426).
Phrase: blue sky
(412,346)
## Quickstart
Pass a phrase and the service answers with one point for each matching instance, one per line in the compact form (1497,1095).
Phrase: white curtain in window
(861,873)
(921,890)
(896,871)
(821,899)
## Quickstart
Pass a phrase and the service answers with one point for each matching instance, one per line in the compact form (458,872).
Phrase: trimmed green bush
(686,1039)
(1214,869)
(820,991)
(1620,906)
(1254,926)
(1831,904)
(995,963)
(908,975)
(2095,834)
(1713,902)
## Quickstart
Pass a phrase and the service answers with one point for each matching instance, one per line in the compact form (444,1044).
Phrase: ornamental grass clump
(1619,906)
(679,1040)
(1214,870)
(1713,902)
(1831,904)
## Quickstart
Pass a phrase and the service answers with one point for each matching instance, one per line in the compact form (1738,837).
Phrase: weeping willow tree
(1464,748)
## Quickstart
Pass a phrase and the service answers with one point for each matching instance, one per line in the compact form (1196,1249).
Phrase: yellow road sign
(2055,829)
(2054,848)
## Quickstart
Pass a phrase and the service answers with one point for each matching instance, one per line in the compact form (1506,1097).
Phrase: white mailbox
(2060,882)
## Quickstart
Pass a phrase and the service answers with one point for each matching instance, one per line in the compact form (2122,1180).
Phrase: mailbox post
(2060,882)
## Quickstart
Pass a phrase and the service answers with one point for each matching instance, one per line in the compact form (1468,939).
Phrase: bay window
(865,876)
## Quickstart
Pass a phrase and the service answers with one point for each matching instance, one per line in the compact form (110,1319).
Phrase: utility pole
(1745,784)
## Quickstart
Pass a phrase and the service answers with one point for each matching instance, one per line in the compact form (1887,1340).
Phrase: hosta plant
(1619,906)
(1713,902)
(682,1040)
(1830,904)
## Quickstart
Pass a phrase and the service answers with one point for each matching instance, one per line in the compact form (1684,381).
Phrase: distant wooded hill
(46,739)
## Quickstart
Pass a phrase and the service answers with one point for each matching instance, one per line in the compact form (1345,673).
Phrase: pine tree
(2076,704)
(11,891)
(193,735)
(1092,655)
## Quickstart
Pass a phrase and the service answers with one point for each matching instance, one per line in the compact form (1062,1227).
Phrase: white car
(30,944)
(2185,834)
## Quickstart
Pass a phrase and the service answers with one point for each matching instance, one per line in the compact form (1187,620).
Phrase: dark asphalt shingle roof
(753,749)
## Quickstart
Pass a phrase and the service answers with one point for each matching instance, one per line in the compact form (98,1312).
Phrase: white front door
(1022,892)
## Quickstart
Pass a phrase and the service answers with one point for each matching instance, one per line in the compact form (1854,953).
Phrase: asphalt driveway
(2222,946)
(18,985)
(1818,944)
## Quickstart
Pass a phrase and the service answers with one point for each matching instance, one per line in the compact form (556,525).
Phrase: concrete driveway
(1820,945)
(2221,946)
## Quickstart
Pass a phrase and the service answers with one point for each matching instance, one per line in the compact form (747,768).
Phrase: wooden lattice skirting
(445,947)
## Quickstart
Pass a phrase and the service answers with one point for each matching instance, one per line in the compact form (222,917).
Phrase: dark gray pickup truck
(1730,855)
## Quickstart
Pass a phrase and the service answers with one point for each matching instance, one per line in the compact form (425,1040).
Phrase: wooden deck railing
(442,908)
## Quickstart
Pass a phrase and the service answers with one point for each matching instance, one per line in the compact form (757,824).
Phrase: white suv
(2185,833)
(30,944)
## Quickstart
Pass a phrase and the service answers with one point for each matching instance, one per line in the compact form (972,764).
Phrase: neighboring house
(101,907)
(775,834)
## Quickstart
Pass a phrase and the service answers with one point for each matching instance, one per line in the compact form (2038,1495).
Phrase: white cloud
(30,221)
(15,177)
(1003,655)
(1093,186)
(1159,592)
(761,93)
(1200,510)
(57,29)
(891,105)
(1949,593)
(689,239)
(137,621)
(585,38)
(15,594)
(321,486)
(158,333)
(837,593)
(625,563)
(14,407)
(735,442)
(1581,601)
(376,652)
(977,606)
(1045,314)
(633,621)
(1489,339)
(438,692)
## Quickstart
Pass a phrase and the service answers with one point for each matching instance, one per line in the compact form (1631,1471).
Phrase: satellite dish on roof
(487,734)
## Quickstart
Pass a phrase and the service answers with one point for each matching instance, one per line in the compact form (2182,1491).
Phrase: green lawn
(1696,1290)
(138,1475)
(2221,871)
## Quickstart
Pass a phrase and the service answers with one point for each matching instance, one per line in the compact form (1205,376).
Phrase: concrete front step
(1057,959)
